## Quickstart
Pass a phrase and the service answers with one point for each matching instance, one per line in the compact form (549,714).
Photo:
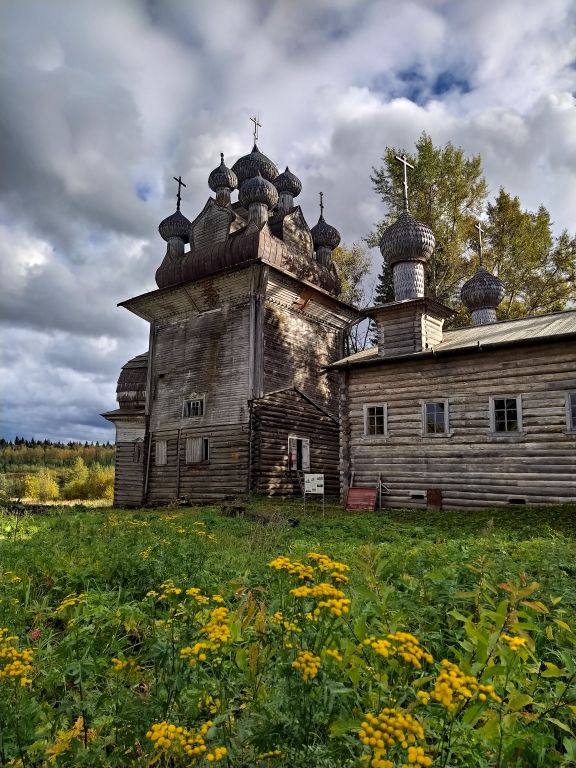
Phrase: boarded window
(375,418)
(197,450)
(571,411)
(193,408)
(138,454)
(299,453)
(161,452)
(506,415)
(435,416)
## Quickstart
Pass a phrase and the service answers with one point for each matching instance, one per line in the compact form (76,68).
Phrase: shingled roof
(524,330)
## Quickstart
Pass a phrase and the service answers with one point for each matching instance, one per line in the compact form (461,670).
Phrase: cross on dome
(178,196)
(404,160)
(257,124)
(321,203)
(478,226)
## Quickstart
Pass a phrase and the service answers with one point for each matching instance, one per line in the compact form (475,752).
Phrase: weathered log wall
(471,465)
(130,466)
(274,418)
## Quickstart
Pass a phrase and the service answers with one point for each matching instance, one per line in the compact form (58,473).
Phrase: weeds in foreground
(309,663)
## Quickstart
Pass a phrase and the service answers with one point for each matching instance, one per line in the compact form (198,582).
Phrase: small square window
(161,452)
(435,417)
(505,414)
(375,420)
(193,408)
(197,450)
(571,411)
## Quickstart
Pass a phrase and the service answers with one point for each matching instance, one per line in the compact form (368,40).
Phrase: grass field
(163,637)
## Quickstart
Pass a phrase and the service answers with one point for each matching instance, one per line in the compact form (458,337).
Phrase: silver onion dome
(324,234)
(257,189)
(245,166)
(483,291)
(176,225)
(222,177)
(407,240)
(288,182)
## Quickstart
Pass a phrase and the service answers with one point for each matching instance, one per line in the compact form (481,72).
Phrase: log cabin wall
(301,336)
(203,357)
(471,465)
(275,418)
(130,465)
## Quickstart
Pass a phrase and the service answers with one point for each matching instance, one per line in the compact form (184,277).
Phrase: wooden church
(469,417)
(232,395)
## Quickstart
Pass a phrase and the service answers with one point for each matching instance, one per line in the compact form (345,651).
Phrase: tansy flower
(307,663)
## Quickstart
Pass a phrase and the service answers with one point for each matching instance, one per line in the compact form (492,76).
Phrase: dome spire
(175,229)
(257,124)
(484,291)
(222,181)
(324,236)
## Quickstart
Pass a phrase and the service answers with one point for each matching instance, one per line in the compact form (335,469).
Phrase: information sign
(314,484)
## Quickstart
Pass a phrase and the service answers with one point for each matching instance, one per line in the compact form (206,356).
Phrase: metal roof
(552,327)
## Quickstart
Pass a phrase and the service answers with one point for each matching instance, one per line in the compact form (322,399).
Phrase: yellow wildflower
(15,665)
(176,741)
(393,729)
(268,755)
(71,601)
(514,643)
(293,567)
(453,688)
(334,653)
(307,663)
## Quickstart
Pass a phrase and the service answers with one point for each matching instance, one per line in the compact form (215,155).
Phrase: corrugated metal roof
(522,330)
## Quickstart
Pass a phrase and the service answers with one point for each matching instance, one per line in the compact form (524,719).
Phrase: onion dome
(407,240)
(324,234)
(257,189)
(176,225)
(288,182)
(482,291)
(222,177)
(245,166)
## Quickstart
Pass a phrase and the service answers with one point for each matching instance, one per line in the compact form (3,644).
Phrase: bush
(95,482)
(41,486)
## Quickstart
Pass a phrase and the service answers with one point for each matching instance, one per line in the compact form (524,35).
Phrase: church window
(505,414)
(193,408)
(299,453)
(435,417)
(197,450)
(571,411)
(375,420)
(161,452)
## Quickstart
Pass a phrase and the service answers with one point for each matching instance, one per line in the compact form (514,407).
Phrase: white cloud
(106,101)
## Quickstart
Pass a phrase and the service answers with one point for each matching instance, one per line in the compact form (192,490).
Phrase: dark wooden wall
(471,466)
(129,475)
(274,418)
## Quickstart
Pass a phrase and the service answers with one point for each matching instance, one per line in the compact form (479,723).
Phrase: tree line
(22,454)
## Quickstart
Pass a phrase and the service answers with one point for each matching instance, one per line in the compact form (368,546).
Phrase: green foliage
(27,455)
(352,265)
(538,270)
(448,193)
(102,601)
(95,482)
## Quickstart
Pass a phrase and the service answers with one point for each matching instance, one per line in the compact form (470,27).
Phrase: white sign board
(314,484)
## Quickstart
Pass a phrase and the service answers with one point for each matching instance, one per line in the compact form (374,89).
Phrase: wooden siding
(224,475)
(471,466)
(274,418)
(129,475)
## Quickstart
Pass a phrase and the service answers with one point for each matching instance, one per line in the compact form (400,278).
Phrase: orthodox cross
(480,231)
(178,196)
(257,125)
(402,159)
(321,203)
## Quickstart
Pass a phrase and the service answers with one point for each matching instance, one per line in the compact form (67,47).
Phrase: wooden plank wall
(129,476)
(274,418)
(224,475)
(472,467)
(295,350)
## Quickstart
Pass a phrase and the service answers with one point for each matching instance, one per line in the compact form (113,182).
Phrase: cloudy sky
(103,102)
